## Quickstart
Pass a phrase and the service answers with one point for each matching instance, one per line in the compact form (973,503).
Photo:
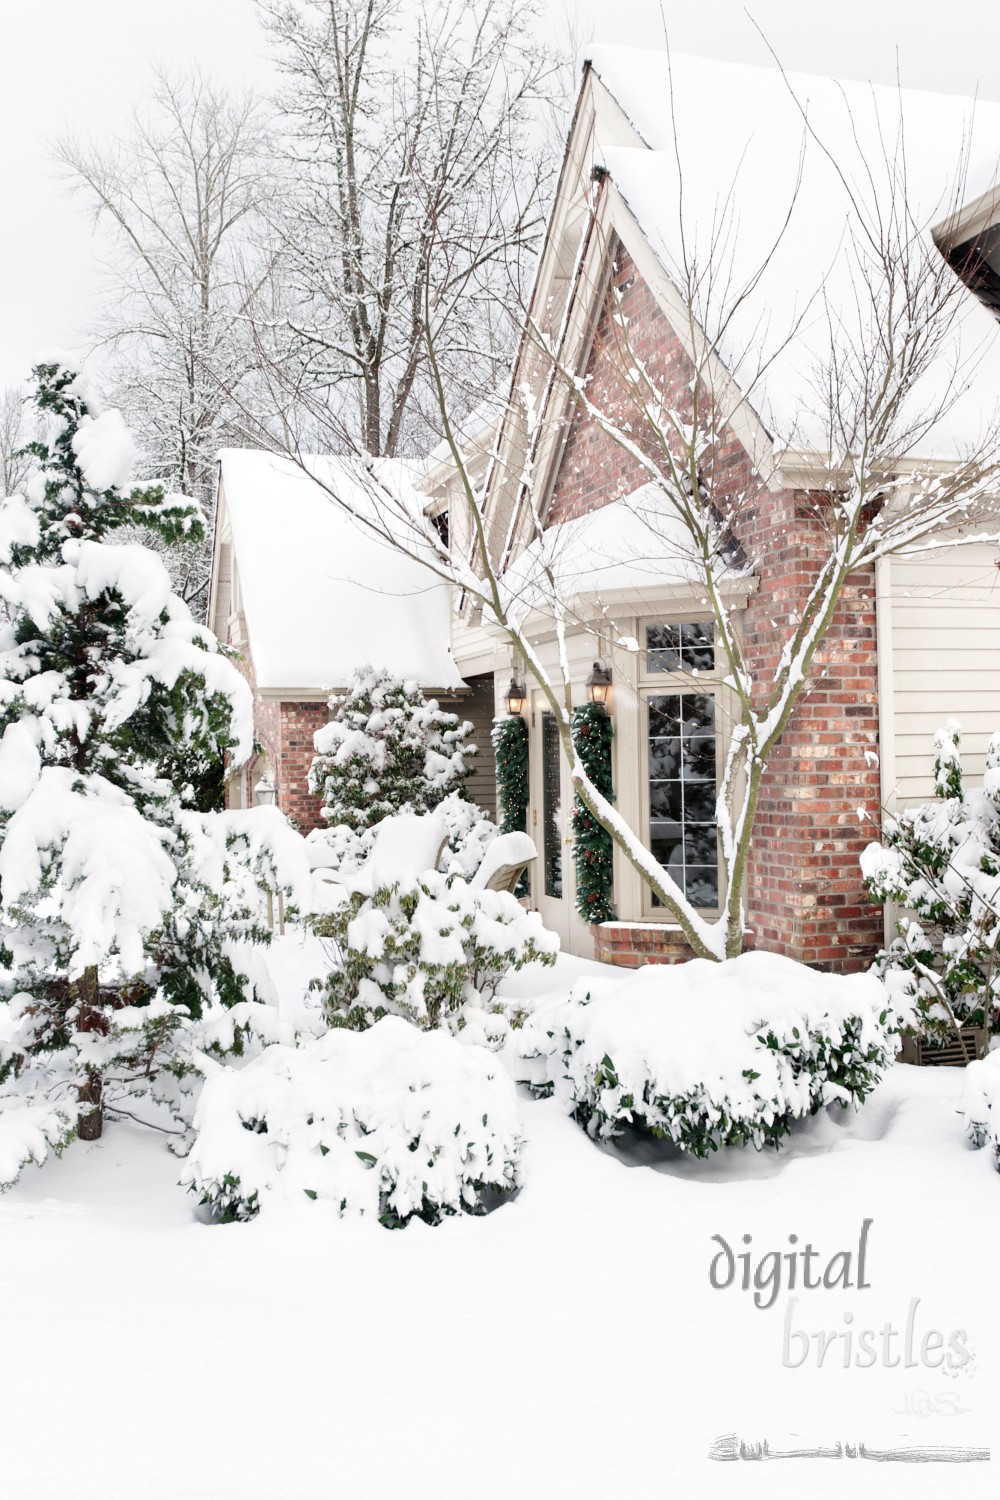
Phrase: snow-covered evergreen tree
(121,906)
(385,748)
(939,863)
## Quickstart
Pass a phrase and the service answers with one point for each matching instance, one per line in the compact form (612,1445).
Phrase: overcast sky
(80,67)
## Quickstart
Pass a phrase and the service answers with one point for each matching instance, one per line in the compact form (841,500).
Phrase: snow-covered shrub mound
(464,830)
(339,848)
(939,863)
(470,832)
(980,1103)
(717,1054)
(391,1122)
(433,951)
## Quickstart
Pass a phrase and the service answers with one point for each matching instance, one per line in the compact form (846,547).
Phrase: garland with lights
(510,746)
(593,850)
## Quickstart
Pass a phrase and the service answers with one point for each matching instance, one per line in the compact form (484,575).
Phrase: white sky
(80,65)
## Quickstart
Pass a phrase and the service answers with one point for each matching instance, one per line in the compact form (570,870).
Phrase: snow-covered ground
(568,1344)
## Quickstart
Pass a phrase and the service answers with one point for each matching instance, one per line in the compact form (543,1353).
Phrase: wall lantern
(263,792)
(516,698)
(598,684)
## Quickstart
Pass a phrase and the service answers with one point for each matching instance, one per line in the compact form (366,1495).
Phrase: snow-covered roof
(321,593)
(736,136)
(474,432)
(636,546)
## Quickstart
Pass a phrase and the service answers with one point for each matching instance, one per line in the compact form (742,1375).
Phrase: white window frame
(653,684)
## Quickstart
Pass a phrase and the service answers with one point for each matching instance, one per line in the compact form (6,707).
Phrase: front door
(551,802)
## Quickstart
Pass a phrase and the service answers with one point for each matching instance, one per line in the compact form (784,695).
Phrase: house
(915,638)
(305,592)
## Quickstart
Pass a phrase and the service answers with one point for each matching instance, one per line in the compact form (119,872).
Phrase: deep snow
(568,1344)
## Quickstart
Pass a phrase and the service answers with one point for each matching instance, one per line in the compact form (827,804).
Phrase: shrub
(716,1054)
(433,951)
(392,1123)
(470,832)
(386,748)
(980,1092)
(940,862)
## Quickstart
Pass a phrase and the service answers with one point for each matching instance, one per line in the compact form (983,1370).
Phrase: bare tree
(415,159)
(889,367)
(181,196)
(14,465)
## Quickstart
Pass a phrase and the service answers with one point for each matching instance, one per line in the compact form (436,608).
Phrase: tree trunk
(90,1125)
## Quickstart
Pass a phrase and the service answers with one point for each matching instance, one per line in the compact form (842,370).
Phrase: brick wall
(285,731)
(299,722)
(804,891)
(630,945)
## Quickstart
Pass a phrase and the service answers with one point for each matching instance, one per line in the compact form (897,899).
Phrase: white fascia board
(886,712)
(475,450)
(221,532)
(321,695)
(968,221)
(298,694)
(586,608)
(801,469)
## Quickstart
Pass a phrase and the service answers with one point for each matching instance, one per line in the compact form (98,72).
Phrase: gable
(766,207)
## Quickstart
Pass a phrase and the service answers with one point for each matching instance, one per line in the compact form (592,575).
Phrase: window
(551,806)
(684,706)
(441,526)
(688,647)
(682,791)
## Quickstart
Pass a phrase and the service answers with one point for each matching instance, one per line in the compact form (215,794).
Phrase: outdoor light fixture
(263,792)
(516,697)
(598,684)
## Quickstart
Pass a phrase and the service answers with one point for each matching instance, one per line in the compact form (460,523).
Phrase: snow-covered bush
(339,848)
(980,1103)
(393,1122)
(940,864)
(467,829)
(125,913)
(431,950)
(386,748)
(714,1054)
(470,831)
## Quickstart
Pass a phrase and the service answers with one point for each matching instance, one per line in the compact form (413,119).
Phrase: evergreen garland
(510,747)
(593,851)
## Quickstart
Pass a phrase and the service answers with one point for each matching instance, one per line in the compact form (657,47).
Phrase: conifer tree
(120,905)
(939,865)
(387,748)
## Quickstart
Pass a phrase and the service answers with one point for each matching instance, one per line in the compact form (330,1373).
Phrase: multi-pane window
(551,806)
(682,788)
(687,647)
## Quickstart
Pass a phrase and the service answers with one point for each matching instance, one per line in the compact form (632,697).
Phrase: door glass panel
(551,806)
(682,787)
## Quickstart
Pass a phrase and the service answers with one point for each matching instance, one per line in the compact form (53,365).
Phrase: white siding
(944,641)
